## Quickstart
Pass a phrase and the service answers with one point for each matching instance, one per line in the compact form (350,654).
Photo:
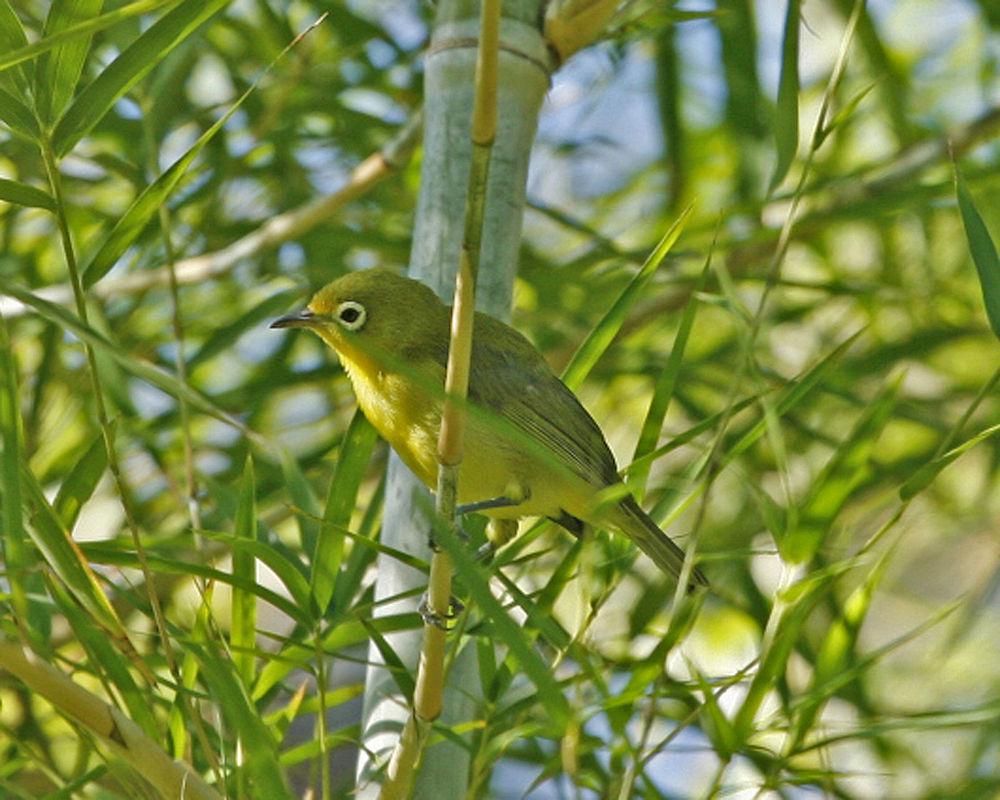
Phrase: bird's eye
(351,315)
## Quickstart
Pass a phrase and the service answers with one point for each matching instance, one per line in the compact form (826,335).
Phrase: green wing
(510,378)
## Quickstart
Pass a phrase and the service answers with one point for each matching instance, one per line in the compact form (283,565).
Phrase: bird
(531,448)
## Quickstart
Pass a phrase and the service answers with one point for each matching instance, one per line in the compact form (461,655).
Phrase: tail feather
(640,528)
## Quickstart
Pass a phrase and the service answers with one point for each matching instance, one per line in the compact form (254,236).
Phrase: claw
(445,621)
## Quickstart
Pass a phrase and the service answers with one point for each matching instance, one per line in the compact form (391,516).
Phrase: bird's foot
(444,621)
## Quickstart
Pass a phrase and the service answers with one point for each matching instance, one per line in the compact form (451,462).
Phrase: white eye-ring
(351,315)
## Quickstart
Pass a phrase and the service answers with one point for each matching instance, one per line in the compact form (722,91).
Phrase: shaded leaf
(243,626)
(78,486)
(22,194)
(786,119)
(984,253)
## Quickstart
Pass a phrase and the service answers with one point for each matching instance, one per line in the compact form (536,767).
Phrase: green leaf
(984,252)
(793,609)
(17,116)
(12,39)
(64,557)
(791,396)
(302,495)
(81,481)
(225,336)
(355,453)
(605,331)
(129,68)
(343,634)
(477,582)
(786,118)
(847,469)
(153,374)
(843,115)
(22,51)
(58,71)
(106,658)
(14,534)
(287,570)
(112,554)
(21,194)
(261,762)
(665,384)
(834,658)
(243,628)
(923,477)
(147,204)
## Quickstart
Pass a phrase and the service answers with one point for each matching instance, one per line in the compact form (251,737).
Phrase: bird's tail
(640,528)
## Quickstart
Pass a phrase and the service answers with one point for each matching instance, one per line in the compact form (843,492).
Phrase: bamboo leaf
(106,658)
(111,554)
(476,580)
(843,115)
(605,331)
(355,453)
(14,534)
(81,481)
(983,250)
(261,762)
(786,120)
(58,71)
(343,634)
(665,384)
(12,39)
(128,69)
(22,51)
(226,335)
(140,368)
(792,396)
(21,194)
(63,555)
(923,477)
(243,627)
(18,117)
(847,469)
(288,571)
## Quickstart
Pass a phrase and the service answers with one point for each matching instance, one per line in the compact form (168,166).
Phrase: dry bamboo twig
(172,779)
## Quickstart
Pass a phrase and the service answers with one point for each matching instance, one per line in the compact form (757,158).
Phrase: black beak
(300,319)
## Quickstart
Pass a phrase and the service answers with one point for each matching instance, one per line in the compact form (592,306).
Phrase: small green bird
(531,448)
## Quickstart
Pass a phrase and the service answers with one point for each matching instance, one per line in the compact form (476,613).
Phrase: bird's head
(371,312)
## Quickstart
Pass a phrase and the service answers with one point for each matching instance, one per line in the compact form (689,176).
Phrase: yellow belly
(409,420)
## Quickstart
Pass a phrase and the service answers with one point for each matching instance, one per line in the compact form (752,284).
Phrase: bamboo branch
(428,697)
(276,231)
(571,25)
(171,779)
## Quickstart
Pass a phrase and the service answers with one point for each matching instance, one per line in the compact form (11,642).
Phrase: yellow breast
(405,417)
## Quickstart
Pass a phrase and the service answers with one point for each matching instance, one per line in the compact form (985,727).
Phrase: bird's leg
(445,621)
(498,533)
(514,494)
(485,505)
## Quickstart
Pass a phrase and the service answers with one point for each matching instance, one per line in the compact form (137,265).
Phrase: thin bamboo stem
(428,697)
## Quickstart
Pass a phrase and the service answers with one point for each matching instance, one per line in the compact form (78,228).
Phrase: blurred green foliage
(832,398)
